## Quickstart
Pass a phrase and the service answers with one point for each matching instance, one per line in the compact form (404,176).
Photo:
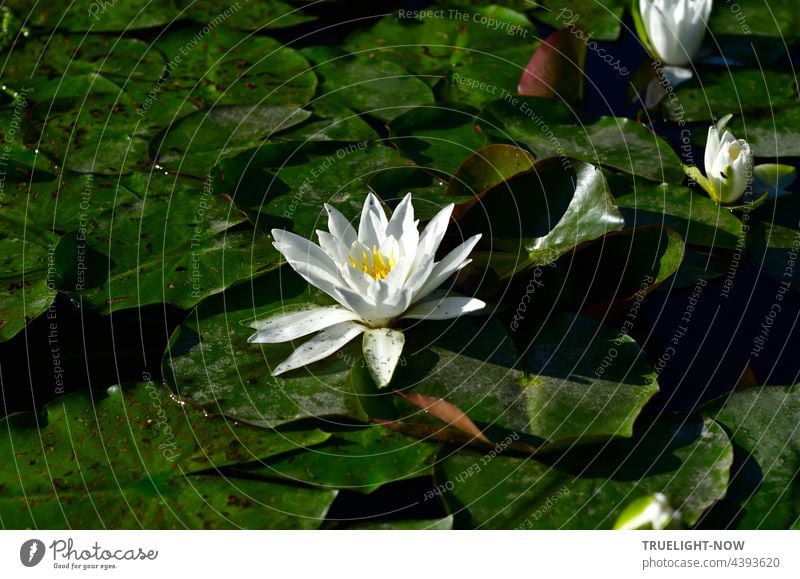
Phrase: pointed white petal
(356,301)
(340,227)
(299,250)
(382,349)
(451,263)
(320,346)
(333,246)
(372,227)
(433,234)
(389,301)
(444,309)
(290,325)
(404,229)
(712,146)
(419,275)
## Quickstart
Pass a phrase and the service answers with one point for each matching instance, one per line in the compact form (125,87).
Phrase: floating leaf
(121,462)
(588,488)
(549,128)
(762,423)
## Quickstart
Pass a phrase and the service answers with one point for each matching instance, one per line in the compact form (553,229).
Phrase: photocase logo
(32,552)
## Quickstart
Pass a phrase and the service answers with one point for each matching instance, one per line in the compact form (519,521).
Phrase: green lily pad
(773,241)
(601,18)
(229,67)
(550,128)
(773,136)
(762,423)
(104,136)
(437,42)
(642,258)
(245,15)
(576,382)
(752,18)
(588,488)
(210,363)
(749,92)
(67,66)
(93,16)
(289,191)
(176,248)
(376,87)
(693,215)
(438,139)
(361,460)
(27,279)
(200,140)
(535,217)
(125,456)
(444,524)
(62,204)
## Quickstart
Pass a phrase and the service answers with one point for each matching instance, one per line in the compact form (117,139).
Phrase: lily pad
(488,167)
(602,18)
(438,139)
(193,145)
(289,190)
(535,217)
(361,460)
(434,43)
(588,488)
(762,423)
(550,128)
(693,215)
(749,92)
(577,381)
(245,15)
(74,66)
(210,363)
(127,455)
(376,87)
(176,248)
(93,16)
(216,66)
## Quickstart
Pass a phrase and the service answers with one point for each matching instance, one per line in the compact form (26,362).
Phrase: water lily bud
(675,28)
(648,512)
(728,164)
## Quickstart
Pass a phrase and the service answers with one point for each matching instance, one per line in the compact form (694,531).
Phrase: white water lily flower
(728,164)
(675,27)
(378,275)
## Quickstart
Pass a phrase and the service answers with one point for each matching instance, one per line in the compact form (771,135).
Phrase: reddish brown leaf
(448,413)
(556,68)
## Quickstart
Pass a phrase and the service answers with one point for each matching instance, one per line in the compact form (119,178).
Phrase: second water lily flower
(675,28)
(382,273)
(729,170)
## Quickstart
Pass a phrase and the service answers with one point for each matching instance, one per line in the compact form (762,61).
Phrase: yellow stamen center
(376,265)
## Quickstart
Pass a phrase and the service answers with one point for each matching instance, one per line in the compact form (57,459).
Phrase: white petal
(404,229)
(433,234)
(334,247)
(420,275)
(382,349)
(444,309)
(389,301)
(451,263)
(290,325)
(320,346)
(372,227)
(299,250)
(712,146)
(356,301)
(340,227)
